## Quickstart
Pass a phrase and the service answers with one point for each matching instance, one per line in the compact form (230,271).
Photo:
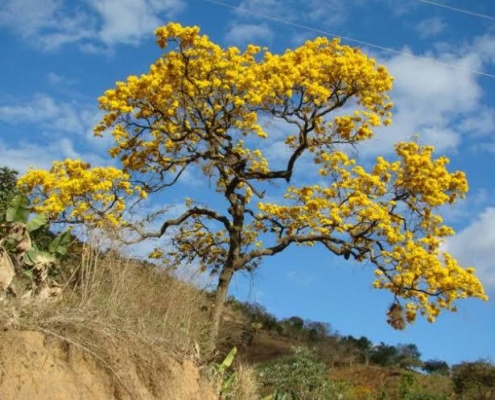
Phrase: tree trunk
(220,297)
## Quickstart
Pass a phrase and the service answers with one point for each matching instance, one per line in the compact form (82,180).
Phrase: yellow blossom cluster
(73,191)
(183,110)
(184,100)
(370,214)
(429,178)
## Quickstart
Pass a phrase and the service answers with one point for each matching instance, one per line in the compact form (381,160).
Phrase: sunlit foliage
(72,191)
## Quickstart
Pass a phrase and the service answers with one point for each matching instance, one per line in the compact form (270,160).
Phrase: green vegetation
(8,182)
(201,108)
(474,380)
(436,367)
(300,376)
(26,253)
(309,359)
(222,374)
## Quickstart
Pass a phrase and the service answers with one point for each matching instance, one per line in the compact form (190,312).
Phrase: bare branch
(329,242)
(194,212)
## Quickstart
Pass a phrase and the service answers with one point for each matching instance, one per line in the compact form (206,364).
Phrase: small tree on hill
(436,367)
(384,355)
(317,331)
(408,356)
(474,379)
(362,346)
(200,108)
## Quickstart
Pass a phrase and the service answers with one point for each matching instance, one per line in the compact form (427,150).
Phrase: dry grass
(112,305)
(144,299)
(238,382)
(245,386)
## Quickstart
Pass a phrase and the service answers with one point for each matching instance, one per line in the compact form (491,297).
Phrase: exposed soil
(34,366)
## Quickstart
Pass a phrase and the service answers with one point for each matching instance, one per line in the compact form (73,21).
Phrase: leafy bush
(21,254)
(409,389)
(300,377)
(475,379)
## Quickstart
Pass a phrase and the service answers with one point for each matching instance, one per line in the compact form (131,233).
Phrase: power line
(349,39)
(461,10)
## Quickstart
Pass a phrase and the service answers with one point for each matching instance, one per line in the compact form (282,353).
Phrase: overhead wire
(349,39)
(461,10)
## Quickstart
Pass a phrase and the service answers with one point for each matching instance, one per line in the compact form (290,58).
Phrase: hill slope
(36,366)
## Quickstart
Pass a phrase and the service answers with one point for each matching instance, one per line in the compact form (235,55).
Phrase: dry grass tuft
(112,305)
(245,386)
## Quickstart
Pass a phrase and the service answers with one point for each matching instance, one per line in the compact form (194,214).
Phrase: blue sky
(60,55)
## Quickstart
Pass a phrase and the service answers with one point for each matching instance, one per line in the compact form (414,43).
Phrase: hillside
(371,381)
(38,366)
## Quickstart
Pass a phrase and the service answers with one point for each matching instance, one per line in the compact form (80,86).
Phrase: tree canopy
(436,367)
(200,107)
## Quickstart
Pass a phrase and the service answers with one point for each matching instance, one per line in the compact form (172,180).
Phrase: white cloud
(481,124)
(300,37)
(47,113)
(66,127)
(248,33)
(92,48)
(474,245)
(267,7)
(326,12)
(34,13)
(161,214)
(430,27)
(439,103)
(40,107)
(46,23)
(59,80)
(25,155)
(128,21)
(51,24)
(426,83)
(460,210)
(485,48)
(400,8)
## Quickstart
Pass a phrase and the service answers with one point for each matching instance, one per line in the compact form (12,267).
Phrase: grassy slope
(268,346)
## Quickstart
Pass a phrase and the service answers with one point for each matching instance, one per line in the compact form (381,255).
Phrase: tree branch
(329,242)
(193,212)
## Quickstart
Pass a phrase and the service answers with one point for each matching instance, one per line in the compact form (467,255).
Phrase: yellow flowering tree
(73,192)
(200,107)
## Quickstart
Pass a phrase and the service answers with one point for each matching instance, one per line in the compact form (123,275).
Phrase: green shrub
(474,379)
(300,377)
(22,254)
(409,389)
